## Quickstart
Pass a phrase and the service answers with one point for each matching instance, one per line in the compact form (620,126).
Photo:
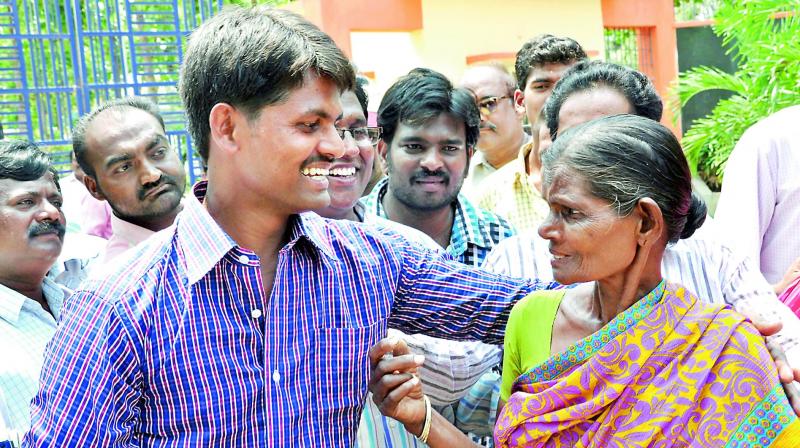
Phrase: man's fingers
(764,327)
(794,397)
(386,384)
(785,373)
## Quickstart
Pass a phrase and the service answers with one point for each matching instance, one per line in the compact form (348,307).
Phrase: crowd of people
(450,277)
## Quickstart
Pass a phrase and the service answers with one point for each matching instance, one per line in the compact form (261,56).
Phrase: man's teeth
(351,171)
(558,257)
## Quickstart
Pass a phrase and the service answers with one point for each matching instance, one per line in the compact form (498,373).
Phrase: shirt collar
(11,301)
(128,231)
(468,226)
(204,243)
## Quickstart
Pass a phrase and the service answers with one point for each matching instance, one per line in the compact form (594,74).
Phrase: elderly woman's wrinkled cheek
(594,249)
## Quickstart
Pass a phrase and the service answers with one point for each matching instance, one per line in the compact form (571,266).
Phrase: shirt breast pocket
(342,364)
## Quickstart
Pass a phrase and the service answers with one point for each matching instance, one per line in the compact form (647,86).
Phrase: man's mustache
(445,178)
(165,179)
(43,228)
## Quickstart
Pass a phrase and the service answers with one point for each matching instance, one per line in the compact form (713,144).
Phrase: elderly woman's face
(588,240)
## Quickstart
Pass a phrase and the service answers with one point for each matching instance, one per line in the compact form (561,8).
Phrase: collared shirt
(759,208)
(479,170)
(451,367)
(83,212)
(710,269)
(177,345)
(126,235)
(511,193)
(475,231)
(25,330)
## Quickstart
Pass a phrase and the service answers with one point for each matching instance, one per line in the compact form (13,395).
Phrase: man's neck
(437,224)
(249,225)
(501,156)
(155,224)
(27,284)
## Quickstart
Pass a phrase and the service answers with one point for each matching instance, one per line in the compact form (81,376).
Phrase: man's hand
(786,373)
(791,275)
(395,385)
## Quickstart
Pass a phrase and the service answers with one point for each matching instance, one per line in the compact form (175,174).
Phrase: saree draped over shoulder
(670,371)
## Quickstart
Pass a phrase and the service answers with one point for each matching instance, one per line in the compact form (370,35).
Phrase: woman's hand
(395,384)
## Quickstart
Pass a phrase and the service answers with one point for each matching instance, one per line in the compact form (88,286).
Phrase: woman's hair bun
(695,218)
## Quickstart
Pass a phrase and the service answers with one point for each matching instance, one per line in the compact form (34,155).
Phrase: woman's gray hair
(625,158)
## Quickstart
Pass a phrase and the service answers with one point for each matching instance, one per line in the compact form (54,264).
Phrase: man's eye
(122,168)
(25,202)
(160,153)
(451,148)
(310,126)
(412,147)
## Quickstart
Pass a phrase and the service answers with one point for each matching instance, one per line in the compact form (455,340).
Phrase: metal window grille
(631,47)
(60,59)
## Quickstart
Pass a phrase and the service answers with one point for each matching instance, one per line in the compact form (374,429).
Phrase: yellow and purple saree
(670,371)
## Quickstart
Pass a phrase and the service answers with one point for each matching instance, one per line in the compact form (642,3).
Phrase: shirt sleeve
(90,381)
(447,299)
(749,293)
(451,367)
(748,196)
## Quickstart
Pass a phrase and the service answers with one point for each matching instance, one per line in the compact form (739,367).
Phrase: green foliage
(767,51)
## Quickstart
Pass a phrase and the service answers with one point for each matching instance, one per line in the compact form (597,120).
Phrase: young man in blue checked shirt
(248,322)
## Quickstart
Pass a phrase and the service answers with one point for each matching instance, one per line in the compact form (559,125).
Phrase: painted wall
(454,30)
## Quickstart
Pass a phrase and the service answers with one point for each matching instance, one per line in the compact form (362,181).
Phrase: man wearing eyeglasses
(501,123)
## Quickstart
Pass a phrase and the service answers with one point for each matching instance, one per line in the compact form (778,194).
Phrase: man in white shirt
(123,149)
(33,234)
(759,208)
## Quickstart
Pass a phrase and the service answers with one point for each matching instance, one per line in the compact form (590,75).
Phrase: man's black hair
(422,95)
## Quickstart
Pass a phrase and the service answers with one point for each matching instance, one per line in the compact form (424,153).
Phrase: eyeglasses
(489,105)
(363,135)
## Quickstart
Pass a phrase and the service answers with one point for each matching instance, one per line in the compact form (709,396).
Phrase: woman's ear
(651,221)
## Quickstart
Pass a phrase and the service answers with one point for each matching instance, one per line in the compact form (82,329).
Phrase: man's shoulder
(486,219)
(133,271)
(350,239)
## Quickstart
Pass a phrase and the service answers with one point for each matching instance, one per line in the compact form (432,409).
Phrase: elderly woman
(624,358)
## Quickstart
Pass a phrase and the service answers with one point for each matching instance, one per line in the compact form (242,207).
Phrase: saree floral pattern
(670,371)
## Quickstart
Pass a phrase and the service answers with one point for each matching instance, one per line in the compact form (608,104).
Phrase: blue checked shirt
(475,231)
(176,344)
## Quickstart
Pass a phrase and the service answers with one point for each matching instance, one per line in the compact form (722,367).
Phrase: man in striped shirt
(248,322)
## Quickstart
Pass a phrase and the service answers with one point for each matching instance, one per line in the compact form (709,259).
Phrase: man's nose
(331,145)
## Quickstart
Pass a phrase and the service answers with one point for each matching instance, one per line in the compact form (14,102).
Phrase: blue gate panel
(59,59)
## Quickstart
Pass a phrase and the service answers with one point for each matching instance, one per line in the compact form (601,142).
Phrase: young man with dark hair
(123,149)
(513,191)
(248,322)
(429,133)
(30,303)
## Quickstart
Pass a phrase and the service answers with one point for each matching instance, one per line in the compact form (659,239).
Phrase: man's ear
(91,184)
(651,221)
(519,102)
(225,121)
(383,152)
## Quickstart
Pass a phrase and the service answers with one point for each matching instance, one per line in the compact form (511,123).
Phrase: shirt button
(276,377)
(244,259)
(255,313)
